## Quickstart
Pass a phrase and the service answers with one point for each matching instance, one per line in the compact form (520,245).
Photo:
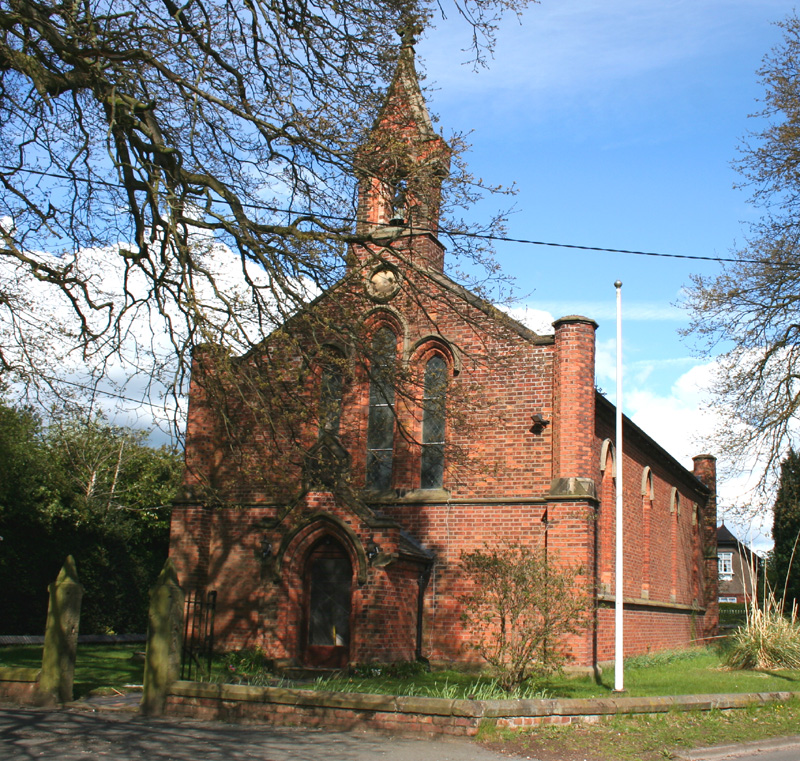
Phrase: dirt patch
(578,743)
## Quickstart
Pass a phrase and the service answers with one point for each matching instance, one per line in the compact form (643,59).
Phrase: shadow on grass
(778,675)
(97,666)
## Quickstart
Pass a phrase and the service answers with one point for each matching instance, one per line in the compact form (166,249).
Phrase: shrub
(768,640)
(250,666)
(520,607)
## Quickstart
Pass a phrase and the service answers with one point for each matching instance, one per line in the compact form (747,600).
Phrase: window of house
(380,427)
(433,423)
(725,563)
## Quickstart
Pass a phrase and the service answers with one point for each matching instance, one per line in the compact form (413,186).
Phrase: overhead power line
(449,233)
(506,239)
(102,392)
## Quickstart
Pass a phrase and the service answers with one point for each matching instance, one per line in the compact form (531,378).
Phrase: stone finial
(164,634)
(410,31)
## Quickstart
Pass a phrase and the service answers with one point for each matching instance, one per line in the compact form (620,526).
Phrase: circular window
(383,283)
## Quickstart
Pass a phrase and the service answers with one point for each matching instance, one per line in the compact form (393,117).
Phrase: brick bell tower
(400,169)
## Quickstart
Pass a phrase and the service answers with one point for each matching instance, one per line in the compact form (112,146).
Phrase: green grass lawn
(98,667)
(675,673)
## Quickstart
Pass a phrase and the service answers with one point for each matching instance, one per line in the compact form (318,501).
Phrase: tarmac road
(69,735)
(81,735)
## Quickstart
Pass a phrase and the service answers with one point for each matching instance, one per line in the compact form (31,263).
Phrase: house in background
(740,569)
(353,555)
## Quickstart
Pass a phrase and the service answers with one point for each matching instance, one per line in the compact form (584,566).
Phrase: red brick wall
(574,397)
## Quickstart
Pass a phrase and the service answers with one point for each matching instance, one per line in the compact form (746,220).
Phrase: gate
(198,635)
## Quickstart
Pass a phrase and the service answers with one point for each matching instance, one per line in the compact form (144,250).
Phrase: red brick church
(455,428)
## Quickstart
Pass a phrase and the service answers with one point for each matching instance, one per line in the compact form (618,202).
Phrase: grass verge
(646,738)
(98,667)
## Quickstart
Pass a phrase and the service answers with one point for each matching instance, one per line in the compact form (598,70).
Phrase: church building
(453,428)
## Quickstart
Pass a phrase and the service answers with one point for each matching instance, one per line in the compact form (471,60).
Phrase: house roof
(725,538)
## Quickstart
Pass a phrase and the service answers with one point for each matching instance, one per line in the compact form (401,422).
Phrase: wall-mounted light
(266,548)
(539,423)
(373,550)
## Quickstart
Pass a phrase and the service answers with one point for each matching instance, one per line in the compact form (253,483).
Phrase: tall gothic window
(433,424)
(380,428)
(330,397)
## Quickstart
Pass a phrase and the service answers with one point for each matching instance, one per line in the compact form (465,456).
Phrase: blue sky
(618,122)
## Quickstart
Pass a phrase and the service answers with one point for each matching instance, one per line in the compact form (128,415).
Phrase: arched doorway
(328,583)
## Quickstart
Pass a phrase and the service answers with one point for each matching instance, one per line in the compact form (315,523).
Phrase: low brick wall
(19,685)
(439,716)
(311,708)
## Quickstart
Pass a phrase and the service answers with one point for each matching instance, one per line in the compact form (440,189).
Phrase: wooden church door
(328,594)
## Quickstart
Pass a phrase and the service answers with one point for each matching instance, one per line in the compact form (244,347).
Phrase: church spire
(401,166)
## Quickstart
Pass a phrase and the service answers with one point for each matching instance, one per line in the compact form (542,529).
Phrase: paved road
(67,735)
(782,749)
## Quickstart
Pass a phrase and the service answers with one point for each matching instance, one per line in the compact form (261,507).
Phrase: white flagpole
(619,679)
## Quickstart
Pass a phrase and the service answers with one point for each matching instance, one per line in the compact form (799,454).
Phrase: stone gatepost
(164,634)
(61,636)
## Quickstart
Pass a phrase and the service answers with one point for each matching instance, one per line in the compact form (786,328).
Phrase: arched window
(647,517)
(380,427)
(433,423)
(398,202)
(330,395)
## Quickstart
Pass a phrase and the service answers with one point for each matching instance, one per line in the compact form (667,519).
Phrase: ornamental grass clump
(769,640)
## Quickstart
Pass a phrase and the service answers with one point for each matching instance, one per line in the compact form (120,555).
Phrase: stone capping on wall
(19,685)
(433,715)
(18,674)
(646,602)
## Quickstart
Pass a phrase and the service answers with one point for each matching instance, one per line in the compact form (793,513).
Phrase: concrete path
(72,735)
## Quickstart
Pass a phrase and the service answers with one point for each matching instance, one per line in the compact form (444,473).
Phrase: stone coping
(19,674)
(646,602)
(92,639)
(476,709)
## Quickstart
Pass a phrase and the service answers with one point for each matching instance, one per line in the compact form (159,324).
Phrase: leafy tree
(87,489)
(750,310)
(28,558)
(114,510)
(158,135)
(106,469)
(785,559)
(520,607)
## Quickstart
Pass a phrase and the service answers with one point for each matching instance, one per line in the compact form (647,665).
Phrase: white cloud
(681,422)
(538,320)
(129,378)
